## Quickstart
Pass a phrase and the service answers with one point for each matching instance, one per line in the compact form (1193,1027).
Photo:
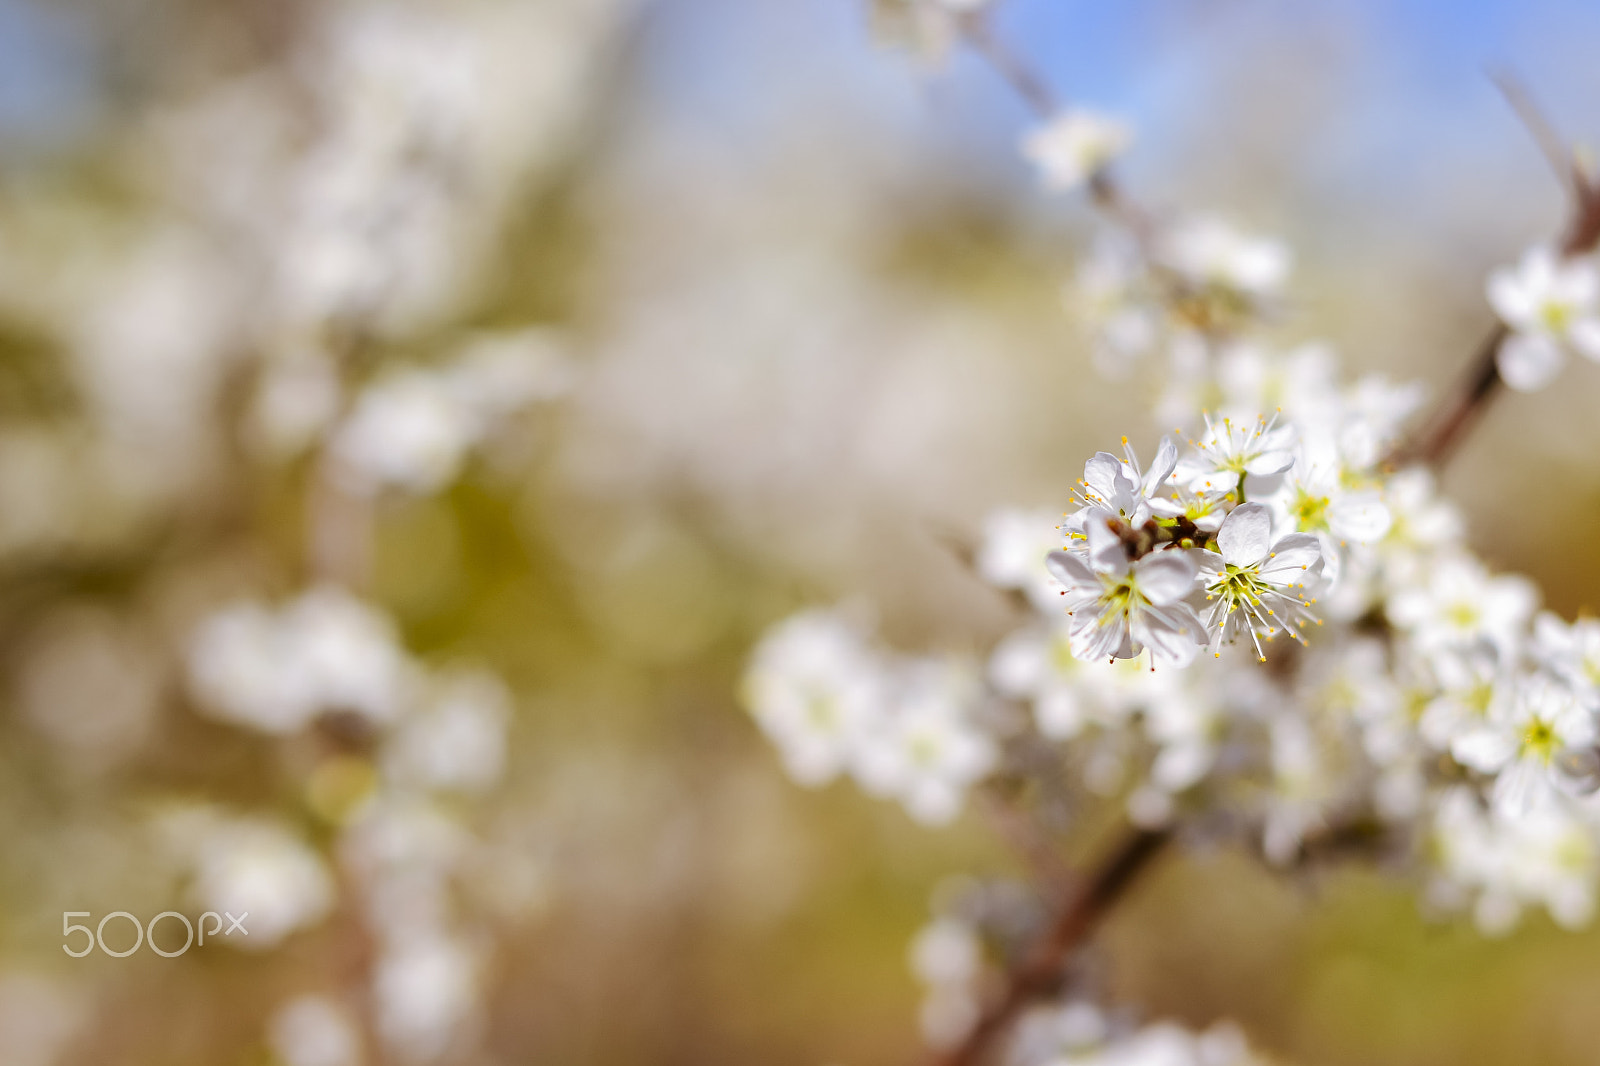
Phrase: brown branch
(1443,432)
(1038,975)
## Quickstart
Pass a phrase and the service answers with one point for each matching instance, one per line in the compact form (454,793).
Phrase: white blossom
(1119,608)
(1075,145)
(1552,306)
(1520,740)
(1256,584)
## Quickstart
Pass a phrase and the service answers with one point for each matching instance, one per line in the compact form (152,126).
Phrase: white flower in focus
(1118,609)
(815,689)
(1074,146)
(927,752)
(1552,306)
(313,1031)
(1457,603)
(1209,253)
(1121,487)
(1012,555)
(1228,452)
(1258,585)
(1521,741)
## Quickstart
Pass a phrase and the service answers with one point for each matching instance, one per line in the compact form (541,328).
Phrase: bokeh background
(808,304)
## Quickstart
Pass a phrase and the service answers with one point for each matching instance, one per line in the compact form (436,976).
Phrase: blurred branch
(1106,194)
(1438,441)
(1040,971)
(1556,152)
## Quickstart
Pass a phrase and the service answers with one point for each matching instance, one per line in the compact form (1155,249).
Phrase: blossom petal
(1359,516)
(1529,362)
(1161,469)
(1172,634)
(1246,535)
(1293,560)
(1165,577)
(1584,335)
(1070,570)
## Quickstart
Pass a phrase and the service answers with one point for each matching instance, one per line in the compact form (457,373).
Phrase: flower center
(1556,316)
(1310,511)
(1240,583)
(1539,740)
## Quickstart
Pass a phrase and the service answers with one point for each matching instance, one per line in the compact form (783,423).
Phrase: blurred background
(576,341)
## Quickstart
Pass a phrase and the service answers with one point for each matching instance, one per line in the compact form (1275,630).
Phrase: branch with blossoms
(1274,632)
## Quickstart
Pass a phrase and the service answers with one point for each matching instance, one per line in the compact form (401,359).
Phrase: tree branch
(1037,976)
(1438,441)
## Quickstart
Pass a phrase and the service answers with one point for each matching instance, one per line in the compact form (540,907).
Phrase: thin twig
(1482,383)
(1556,151)
(1038,975)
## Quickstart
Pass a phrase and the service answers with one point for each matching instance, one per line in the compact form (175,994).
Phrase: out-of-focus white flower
(275,671)
(1570,651)
(1552,306)
(1110,295)
(1011,556)
(314,1031)
(947,956)
(425,993)
(815,689)
(1542,857)
(1325,495)
(927,752)
(1421,521)
(1457,603)
(252,865)
(1074,146)
(409,430)
(1520,740)
(1256,584)
(457,739)
(947,952)
(1209,253)
(296,399)
(1475,686)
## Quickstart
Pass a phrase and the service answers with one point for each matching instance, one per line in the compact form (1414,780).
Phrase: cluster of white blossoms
(1272,630)
(903,728)
(327,658)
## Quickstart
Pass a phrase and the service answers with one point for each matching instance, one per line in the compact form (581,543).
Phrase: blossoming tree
(1275,632)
